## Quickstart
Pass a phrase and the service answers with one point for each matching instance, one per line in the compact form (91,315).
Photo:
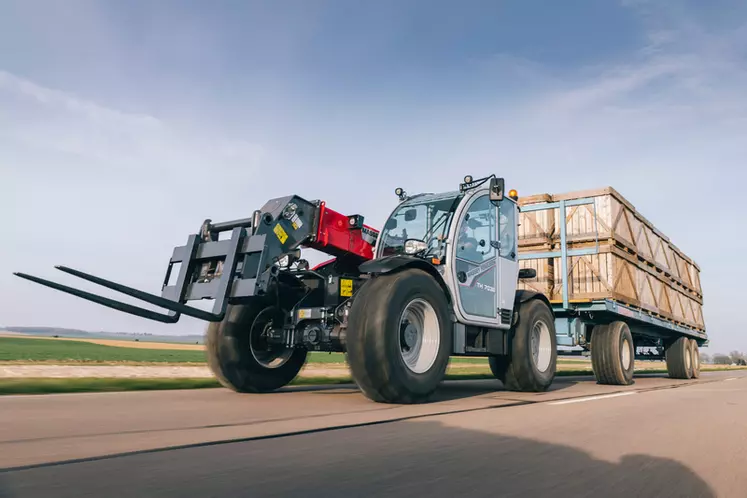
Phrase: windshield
(428,221)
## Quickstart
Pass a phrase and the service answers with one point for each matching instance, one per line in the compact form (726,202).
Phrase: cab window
(507,233)
(476,232)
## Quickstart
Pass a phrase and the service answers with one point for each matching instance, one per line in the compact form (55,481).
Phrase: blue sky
(124,124)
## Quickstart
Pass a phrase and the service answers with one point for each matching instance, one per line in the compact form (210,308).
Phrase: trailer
(610,275)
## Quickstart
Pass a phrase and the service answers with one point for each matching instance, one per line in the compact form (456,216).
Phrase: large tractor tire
(679,358)
(241,359)
(613,354)
(532,360)
(399,337)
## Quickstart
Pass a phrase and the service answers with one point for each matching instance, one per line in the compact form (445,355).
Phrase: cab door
(475,261)
(508,260)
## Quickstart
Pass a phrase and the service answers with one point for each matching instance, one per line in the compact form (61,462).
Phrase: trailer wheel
(531,364)
(679,359)
(241,359)
(399,337)
(695,354)
(613,354)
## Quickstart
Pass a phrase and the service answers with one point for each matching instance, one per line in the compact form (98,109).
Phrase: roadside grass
(14,349)
(45,385)
(61,351)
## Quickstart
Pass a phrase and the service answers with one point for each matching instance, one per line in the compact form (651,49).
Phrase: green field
(48,350)
(21,349)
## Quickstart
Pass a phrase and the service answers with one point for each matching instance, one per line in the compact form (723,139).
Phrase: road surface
(658,438)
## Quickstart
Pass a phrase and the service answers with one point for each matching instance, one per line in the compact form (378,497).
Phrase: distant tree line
(733,358)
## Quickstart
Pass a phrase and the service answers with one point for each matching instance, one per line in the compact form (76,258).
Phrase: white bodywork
(490,275)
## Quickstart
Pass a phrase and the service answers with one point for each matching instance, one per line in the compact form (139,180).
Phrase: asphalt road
(656,438)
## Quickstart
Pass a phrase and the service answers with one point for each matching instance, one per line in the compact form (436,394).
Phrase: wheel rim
(541,345)
(263,354)
(625,354)
(419,336)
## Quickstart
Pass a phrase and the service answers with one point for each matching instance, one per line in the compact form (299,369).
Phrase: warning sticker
(306,313)
(346,287)
(282,236)
(296,222)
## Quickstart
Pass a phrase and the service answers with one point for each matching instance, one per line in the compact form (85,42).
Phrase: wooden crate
(616,274)
(544,280)
(536,228)
(610,218)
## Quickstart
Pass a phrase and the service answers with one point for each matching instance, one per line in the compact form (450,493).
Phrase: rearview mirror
(411,214)
(527,273)
(496,189)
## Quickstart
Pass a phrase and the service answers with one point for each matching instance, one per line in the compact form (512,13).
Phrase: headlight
(414,246)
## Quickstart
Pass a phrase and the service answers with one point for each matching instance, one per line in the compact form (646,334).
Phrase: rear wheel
(532,360)
(240,356)
(680,359)
(399,337)
(695,354)
(613,354)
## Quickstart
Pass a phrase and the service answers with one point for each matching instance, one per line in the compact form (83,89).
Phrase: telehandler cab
(439,280)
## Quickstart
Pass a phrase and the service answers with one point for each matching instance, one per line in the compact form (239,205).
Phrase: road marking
(591,398)
(730,378)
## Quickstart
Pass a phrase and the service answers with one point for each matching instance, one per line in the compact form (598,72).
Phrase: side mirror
(496,189)
(391,224)
(411,214)
(527,273)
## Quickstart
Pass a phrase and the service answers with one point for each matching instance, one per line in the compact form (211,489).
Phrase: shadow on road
(404,459)
(449,390)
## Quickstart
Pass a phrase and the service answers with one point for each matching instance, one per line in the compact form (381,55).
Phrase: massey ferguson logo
(478,271)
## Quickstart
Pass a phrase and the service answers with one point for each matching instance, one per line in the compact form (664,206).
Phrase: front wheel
(532,360)
(399,337)
(240,356)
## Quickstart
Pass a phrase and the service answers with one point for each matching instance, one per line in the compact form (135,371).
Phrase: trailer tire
(695,362)
(236,364)
(378,346)
(679,359)
(613,354)
(525,369)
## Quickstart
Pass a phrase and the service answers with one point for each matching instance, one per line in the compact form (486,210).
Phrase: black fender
(400,262)
(388,264)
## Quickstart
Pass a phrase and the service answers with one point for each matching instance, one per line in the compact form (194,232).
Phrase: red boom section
(336,237)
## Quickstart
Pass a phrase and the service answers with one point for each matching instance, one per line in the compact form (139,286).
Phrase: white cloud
(51,119)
